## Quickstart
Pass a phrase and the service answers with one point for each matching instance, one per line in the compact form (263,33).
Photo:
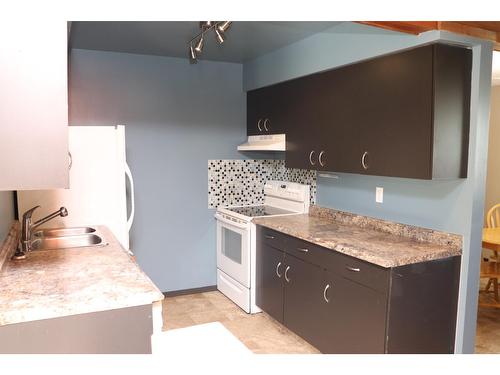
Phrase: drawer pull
(311,158)
(277,270)
(286,274)
(325,293)
(303,250)
(266,122)
(269,237)
(363,160)
(353,269)
(320,158)
(258,124)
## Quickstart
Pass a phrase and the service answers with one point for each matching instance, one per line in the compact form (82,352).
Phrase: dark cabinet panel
(399,115)
(433,287)
(452,72)
(355,316)
(269,280)
(394,114)
(270,110)
(303,299)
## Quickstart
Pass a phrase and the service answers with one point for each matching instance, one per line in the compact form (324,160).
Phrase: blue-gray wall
(177,116)
(454,206)
(6,213)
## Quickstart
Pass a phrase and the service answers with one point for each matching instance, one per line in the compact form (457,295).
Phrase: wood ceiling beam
(487,30)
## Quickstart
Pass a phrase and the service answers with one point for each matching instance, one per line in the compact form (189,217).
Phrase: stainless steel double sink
(64,238)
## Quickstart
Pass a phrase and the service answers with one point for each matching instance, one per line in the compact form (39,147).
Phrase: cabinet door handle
(320,158)
(266,122)
(363,160)
(277,270)
(325,293)
(70,160)
(303,250)
(311,158)
(269,237)
(352,269)
(258,124)
(286,274)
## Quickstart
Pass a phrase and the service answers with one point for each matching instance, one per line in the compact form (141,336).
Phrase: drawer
(272,238)
(357,270)
(362,272)
(311,253)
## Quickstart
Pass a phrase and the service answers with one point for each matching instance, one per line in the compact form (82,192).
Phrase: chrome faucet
(28,227)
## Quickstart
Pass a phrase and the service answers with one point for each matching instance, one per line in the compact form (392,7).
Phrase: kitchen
(180,117)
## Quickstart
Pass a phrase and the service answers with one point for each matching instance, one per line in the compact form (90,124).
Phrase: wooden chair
(493,216)
(491,270)
(493,221)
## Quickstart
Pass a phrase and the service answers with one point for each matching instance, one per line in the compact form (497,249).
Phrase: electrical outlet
(379,194)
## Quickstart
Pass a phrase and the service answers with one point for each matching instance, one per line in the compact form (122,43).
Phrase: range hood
(271,142)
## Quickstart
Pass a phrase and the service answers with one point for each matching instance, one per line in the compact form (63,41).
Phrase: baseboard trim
(182,292)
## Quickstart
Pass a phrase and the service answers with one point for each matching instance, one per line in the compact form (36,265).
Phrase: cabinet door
(355,318)
(269,283)
(394,114)
(270,109)
(303,135)
(34,109)
(304,299)
(255,101)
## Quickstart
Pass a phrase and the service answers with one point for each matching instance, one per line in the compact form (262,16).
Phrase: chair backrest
(493,217)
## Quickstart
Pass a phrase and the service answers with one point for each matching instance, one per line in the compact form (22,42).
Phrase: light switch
(379,194)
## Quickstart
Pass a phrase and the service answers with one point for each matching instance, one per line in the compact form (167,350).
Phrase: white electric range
(236,238)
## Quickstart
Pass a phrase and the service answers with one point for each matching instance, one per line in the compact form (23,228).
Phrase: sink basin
(62,232)
(46,243)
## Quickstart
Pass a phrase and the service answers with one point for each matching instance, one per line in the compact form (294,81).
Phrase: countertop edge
(355,253)
(9,244)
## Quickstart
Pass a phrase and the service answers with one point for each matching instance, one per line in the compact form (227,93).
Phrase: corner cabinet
(400,115)
(343,305)
(34,110)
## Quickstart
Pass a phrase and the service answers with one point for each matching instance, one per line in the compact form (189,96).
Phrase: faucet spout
(60,212)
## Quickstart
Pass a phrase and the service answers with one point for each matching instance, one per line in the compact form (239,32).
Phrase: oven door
(233,248)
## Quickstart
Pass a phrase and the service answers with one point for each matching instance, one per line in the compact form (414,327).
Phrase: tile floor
(258,332)
(488,325)
(262,334)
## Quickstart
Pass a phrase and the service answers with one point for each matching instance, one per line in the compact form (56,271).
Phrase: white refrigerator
(98,190)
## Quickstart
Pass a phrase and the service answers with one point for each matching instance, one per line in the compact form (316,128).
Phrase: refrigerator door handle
(130,220)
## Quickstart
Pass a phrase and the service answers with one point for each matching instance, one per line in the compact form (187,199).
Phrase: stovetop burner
(256,211)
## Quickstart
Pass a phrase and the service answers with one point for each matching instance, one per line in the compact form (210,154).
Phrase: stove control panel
(287,190)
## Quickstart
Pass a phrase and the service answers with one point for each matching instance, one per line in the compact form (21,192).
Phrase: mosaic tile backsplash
(241,182)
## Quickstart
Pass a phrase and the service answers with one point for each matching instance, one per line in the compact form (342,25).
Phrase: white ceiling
(495,77)
(245,40)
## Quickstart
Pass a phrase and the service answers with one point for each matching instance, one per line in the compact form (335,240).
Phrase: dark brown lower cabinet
(344,305)
(269,293)
(303,292)
(356,316)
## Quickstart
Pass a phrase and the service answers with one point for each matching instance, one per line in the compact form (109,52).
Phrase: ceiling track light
(199,45)
(223,26)
(192,55)
(219,27)
(219,35)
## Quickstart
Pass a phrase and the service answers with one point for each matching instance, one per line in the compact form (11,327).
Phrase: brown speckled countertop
(376,241)
(55,283)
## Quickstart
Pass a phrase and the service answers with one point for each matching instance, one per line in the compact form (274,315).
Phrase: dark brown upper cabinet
(271,109)
(401,115)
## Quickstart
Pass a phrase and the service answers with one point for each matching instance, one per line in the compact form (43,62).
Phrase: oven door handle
(230,222)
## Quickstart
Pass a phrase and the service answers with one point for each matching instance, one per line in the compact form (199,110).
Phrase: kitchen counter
(56,283)
(380,242)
